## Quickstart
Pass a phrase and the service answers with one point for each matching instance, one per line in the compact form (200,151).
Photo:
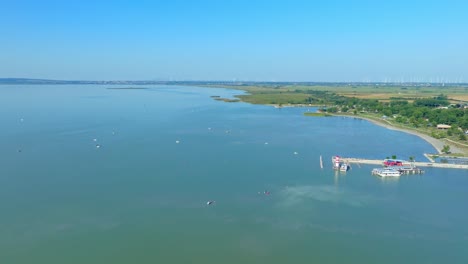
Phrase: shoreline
(436,143)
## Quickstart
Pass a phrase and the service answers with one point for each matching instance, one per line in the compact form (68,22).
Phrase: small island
(227,100)
(316,114)
(127,88)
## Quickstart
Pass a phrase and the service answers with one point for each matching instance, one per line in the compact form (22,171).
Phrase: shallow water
(141,197)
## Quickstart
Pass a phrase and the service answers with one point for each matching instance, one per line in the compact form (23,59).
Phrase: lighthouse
(336,162)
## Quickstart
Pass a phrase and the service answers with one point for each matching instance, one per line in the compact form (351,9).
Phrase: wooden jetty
(412,164)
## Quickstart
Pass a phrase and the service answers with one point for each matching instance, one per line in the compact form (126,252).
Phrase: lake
(96,175)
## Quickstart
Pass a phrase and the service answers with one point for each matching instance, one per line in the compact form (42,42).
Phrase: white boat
(344,167)
(386,172)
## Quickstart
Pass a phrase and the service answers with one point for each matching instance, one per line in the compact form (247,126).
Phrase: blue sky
(235,40)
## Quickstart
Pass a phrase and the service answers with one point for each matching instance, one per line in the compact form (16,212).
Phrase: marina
(392,168)
(412,164)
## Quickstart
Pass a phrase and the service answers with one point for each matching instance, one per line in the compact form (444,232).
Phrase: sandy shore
(436,143)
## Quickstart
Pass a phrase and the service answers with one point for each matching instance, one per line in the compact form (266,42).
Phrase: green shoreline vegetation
(417,108)
(316,114)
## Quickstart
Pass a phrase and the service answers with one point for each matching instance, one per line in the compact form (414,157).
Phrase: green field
(299,94)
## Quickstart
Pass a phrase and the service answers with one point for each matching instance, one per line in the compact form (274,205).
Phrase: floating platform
(409,170)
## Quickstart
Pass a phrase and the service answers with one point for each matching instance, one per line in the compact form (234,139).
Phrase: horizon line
(14,79)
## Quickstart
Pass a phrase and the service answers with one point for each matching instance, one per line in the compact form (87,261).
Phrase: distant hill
(40,81)
(27,81)
(220,83)
(46,81)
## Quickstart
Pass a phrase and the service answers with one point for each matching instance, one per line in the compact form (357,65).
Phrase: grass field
(297,94)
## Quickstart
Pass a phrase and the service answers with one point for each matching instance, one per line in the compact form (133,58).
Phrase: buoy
(295,153)
(177,141)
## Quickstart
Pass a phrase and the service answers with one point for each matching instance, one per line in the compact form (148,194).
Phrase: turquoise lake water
(141,197)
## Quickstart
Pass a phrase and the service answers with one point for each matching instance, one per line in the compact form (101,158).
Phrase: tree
(417,113)
(332,110)
(462,137)
(393,156)
(446,149)
(400,119)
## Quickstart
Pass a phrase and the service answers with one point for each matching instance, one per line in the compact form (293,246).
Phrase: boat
(387,172)
(339,164)
(344,167)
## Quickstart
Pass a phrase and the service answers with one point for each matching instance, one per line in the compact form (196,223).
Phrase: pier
(412,164)
(409,170)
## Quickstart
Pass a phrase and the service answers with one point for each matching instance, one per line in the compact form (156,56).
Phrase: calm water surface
(141,197)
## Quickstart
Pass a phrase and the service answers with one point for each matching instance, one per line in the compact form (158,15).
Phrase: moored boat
(344,167)
(386,172)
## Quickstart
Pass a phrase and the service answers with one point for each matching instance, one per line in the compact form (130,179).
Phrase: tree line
(424,112)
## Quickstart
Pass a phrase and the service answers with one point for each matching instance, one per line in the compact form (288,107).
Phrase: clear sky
(235,40)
